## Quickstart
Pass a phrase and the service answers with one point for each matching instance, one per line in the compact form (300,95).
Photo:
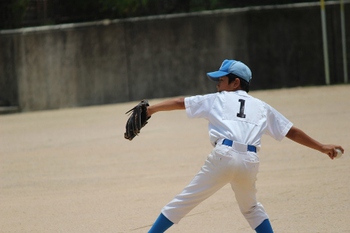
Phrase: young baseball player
(237,122)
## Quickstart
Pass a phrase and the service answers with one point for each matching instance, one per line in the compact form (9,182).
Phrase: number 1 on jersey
(241,109)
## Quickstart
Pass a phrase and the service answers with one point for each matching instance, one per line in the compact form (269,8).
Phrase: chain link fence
(25,13)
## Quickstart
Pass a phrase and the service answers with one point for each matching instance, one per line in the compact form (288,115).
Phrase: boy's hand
(138,119)
(331,150)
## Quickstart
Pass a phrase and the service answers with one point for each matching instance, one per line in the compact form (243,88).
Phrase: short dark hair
(244,84)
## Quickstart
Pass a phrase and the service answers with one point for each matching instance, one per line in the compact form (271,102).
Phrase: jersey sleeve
(277,125)
(199,106)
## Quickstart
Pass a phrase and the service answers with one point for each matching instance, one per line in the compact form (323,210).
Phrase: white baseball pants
(225,164)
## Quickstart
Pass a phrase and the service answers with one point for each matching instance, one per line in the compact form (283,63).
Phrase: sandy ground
(71,170)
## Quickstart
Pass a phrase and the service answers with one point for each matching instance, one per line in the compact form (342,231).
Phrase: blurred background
(24,13)
(62,54)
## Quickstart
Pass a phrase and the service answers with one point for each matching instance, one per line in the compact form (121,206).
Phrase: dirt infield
(71,170)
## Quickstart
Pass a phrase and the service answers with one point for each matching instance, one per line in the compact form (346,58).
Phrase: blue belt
(228,142)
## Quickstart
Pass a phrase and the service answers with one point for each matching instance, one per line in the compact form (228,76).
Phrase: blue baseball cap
(237,68)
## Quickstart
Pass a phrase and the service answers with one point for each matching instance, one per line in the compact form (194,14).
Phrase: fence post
(325,43)
(343,33)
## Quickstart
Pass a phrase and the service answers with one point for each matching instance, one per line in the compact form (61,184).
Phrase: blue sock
(161,224)
(264,227)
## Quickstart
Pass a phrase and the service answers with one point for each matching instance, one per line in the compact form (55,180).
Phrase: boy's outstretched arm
(167,105)
(302,138)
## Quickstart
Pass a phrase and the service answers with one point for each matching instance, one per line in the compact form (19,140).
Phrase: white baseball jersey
(237,116)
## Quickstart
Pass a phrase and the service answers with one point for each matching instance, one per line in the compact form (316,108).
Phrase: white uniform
(243,119)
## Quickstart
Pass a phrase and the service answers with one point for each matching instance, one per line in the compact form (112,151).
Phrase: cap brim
(216,75)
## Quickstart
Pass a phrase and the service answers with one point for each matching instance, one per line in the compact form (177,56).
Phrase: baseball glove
(137,120)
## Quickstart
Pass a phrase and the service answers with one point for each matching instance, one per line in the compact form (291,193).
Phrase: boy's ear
(237,83)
